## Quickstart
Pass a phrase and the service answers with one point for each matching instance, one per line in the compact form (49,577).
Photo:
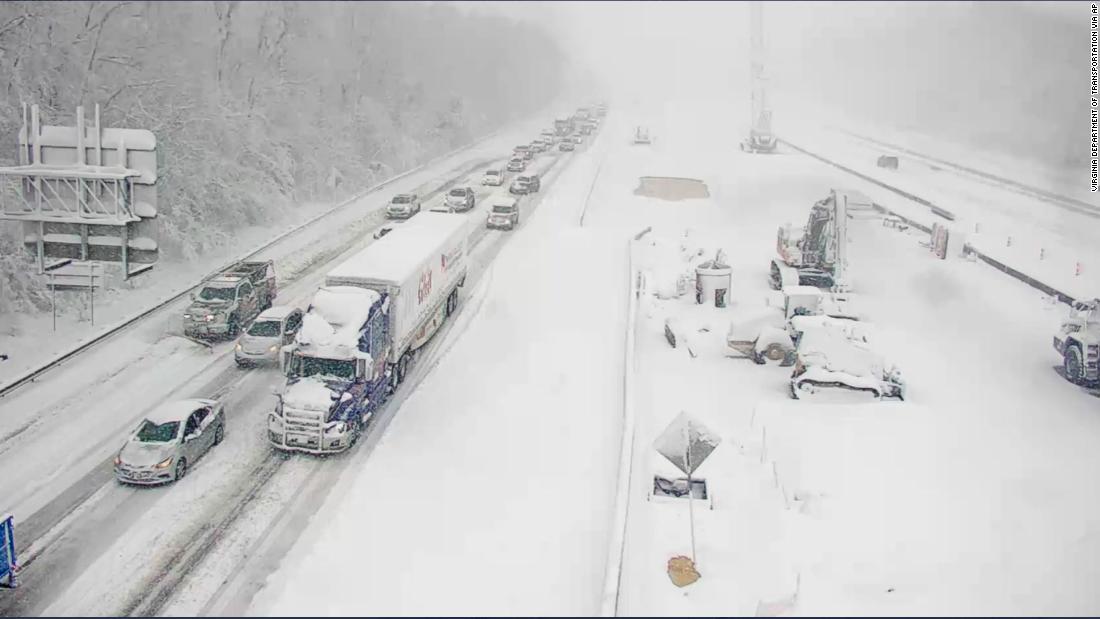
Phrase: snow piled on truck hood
(311,394)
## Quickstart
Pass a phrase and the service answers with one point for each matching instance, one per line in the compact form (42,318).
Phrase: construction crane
(761,139)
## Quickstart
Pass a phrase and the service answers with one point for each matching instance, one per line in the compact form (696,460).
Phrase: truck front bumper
(312,442)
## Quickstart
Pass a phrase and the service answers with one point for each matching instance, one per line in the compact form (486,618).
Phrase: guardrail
(31,375)
(609,605)
(967,247)
(1073,204)
(937,210)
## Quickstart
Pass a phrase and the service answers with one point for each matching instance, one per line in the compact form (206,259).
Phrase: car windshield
(492,173)
(218,294)
(316,366)
(458,193)
(150,432)
(266,328)
(501,208)
(402,199)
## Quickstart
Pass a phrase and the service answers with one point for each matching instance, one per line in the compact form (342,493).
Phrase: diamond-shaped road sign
(686,443)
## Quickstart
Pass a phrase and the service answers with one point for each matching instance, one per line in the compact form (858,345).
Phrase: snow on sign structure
(83,192)
(686,443)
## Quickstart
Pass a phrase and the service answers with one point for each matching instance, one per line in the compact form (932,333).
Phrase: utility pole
(760,135)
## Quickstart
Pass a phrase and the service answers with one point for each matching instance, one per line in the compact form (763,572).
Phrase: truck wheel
(1074,366)
(402,368)
(452,302)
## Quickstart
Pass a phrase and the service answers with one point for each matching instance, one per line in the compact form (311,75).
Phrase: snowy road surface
(491,491)
(80,532)
(489,488)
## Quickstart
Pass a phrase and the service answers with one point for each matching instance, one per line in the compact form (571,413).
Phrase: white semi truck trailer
(362,331)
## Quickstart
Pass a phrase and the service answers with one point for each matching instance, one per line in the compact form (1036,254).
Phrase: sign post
(686,443)
(7,551)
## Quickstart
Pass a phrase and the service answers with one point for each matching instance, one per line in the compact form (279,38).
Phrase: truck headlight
(163,464)
(209,318)
(338,427)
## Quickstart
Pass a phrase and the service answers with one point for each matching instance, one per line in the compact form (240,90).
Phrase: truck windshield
(218,294)
(266,328)
(316,366)
(150,432)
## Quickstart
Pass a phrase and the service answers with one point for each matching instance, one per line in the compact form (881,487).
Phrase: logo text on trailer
(425,288)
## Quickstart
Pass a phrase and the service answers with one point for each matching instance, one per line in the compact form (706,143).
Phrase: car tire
(234,327)
(219,433)
(1074,365)
(181,469)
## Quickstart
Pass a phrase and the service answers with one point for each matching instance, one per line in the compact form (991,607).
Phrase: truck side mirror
(284,357)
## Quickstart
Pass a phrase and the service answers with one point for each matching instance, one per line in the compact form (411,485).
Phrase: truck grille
(303,428)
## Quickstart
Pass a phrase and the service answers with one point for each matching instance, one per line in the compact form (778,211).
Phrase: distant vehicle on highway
(169,441)
(516,165)
(527,183)
(503,213)
(461,199)
(641,136)
(403,206)
(272,329)
(567,145)
(493,176)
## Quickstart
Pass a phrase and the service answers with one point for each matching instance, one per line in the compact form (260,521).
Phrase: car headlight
(273,348)
(163,464)
(187,315)
(239,347)
(209,318)
(118,459)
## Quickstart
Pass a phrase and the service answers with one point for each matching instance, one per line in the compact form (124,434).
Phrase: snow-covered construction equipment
(815,255)
(641,136)
(361,330)
(760,139)
(1078,343)
(771,335)
(831,355)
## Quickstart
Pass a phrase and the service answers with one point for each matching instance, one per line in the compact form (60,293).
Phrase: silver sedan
(169,440)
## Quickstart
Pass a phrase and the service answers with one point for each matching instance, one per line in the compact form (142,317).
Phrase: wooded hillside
(258,106)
